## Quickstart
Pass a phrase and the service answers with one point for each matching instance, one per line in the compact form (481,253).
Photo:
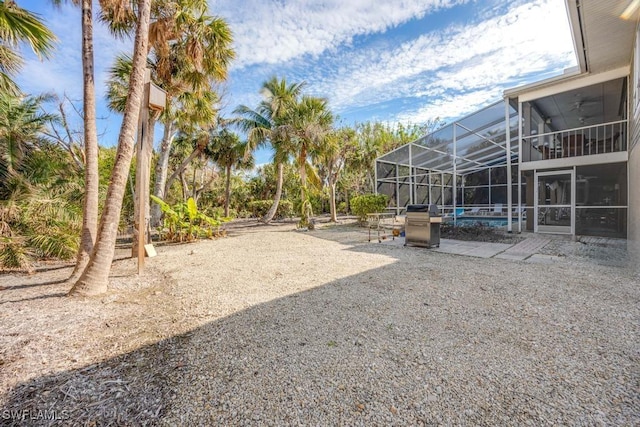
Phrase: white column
(411,176)
(509,180)
(455,177)
(520,167)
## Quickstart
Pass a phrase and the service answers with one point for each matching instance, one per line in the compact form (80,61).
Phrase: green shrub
(218,212)
(368,203)
(342,208)
(259,208)
(183,222)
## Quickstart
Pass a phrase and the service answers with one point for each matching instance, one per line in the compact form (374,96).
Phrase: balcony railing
(584,141)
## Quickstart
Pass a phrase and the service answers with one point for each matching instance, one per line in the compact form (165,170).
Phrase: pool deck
(526,250)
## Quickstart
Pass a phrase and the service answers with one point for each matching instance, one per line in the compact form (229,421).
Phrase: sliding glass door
(554,202)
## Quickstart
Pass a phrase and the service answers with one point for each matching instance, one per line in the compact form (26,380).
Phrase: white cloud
(533,37)
(356,53)
(277,31)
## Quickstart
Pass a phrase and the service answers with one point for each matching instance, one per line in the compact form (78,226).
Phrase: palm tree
(122,16)
(191,53)
(339,147)
(228,152)
(19,25)
(40,208)
(199,140)
(21,125)
(196,59)
(91,179)
(39,204)
(268,124)
(310,122)
(94,278)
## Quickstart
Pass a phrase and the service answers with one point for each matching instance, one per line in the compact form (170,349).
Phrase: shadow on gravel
(54,295)
(33,285)
(511,344)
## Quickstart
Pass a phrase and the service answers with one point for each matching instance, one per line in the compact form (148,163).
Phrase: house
(572,166)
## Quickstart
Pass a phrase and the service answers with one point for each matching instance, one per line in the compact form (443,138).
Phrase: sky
(406,61)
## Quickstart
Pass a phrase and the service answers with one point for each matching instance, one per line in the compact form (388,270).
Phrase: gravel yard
(272,326)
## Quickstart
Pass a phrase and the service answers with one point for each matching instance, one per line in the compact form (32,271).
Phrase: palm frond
(119,16)
(20,25)
(13,255)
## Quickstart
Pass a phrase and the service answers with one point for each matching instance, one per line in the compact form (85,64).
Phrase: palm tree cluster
(61,197)
(295,126)
(40,214)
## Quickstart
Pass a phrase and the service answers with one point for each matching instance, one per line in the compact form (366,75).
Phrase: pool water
(486,221)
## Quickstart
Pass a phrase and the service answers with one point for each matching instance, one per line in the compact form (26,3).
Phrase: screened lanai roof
(476,141)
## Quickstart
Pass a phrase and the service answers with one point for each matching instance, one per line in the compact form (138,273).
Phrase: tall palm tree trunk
(90,204)
(162,169)
(95,278)
(227,191)
(304,208)
(276,200)
(332,201)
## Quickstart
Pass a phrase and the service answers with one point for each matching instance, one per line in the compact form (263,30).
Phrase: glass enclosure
(460,167)
(464,167)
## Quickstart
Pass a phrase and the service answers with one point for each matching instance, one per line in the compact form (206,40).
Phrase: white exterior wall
(633,219)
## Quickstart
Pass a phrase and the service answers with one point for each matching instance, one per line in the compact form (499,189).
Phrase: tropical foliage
(183,222)
(38,216)
(259,208)
(19,25)
(368,203)
(52,177)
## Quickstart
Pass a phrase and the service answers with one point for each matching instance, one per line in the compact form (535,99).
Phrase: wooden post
(153,98)
(141,196)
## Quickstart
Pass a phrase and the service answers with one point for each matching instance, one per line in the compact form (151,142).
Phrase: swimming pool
(487,221)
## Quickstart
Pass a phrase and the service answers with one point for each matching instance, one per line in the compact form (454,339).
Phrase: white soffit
(603,43)
(608,38)
(574,83)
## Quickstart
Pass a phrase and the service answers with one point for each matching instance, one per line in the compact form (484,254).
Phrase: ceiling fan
(584,120)
(579,105)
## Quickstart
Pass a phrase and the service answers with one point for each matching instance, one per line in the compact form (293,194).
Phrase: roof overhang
(603,42)
(567,84)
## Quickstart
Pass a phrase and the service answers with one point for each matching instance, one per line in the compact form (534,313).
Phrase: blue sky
(394,61)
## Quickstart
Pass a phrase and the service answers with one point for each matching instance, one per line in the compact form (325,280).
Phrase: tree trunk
(227,191)
(196,152)
(346,201)
(95,277)
(90,207)
(162,169)
(90,203)
(304,211)
(204,186)
(193,183)
(276,200)
(185,186)
(332,201)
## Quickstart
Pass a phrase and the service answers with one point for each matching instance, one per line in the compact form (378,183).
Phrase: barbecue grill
(422,225)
